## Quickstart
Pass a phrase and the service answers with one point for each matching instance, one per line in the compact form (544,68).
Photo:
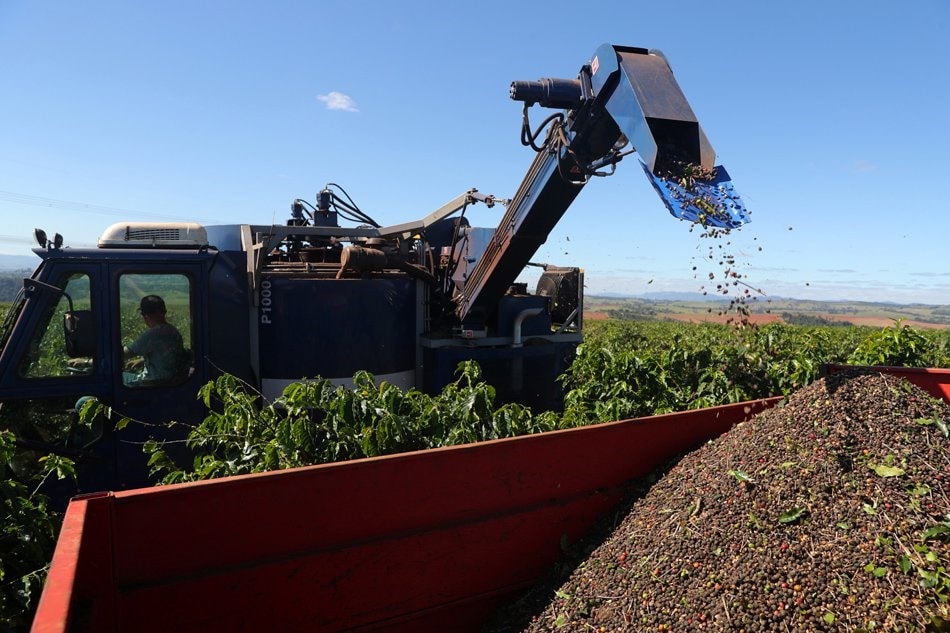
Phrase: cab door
(45,374)
(162,407)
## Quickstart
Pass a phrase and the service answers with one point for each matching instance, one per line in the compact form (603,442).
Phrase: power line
(13,239)
(53,203)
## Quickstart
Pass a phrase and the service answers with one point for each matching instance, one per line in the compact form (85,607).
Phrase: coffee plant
(28,529)
(900,345)
(630,369)
(315,422)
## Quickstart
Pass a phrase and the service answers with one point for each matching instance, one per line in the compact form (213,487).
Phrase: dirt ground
(882,322)
(762,319)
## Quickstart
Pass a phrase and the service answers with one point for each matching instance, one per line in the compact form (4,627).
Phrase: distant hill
(18,262)
(696,307)
(678,296)
(13,268)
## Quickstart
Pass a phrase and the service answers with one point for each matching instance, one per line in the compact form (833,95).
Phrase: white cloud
(862,166)
(338,101)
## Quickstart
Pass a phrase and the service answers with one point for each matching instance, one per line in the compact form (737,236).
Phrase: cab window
(64,344)
(155,328)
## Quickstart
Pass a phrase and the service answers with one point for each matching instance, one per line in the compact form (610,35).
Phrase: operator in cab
(160,346)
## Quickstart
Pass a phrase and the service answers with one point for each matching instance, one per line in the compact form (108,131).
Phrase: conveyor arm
(625,100)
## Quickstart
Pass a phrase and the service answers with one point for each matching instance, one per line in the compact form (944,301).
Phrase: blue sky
(831,118)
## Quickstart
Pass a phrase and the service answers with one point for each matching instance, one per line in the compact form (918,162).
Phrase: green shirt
(162,348)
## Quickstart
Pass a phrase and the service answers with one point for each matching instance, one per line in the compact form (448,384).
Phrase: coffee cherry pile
(830,512)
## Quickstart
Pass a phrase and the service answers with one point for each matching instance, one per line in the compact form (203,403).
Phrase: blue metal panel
(335,327)
(713,202)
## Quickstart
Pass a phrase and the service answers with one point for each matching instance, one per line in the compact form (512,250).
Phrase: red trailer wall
(934,381)
(425,541)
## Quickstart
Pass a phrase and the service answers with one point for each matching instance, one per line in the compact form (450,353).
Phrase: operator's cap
(151,304)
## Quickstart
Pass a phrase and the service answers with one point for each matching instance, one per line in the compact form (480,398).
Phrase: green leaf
(904,564)
(937,421)
(62,466)
(792,515)
(829,618)
(887,471)
(740,476)
(937,530)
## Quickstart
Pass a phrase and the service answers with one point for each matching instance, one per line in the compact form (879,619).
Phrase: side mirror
(79,330)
